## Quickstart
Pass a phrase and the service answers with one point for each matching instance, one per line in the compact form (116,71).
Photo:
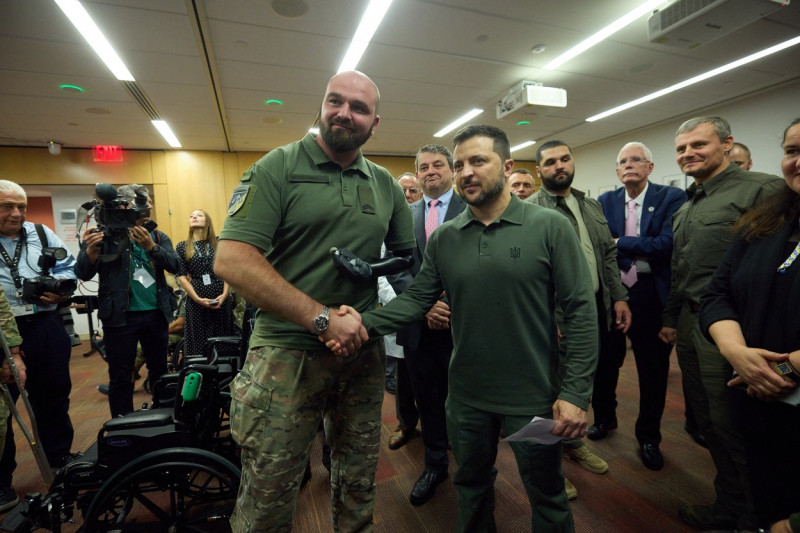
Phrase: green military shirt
(8,324)
(503,281)
(296,204)
(702,230)
(605,249)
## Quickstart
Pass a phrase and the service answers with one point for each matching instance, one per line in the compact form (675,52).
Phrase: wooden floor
(628,498)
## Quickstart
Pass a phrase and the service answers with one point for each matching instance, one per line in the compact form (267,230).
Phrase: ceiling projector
(531,94)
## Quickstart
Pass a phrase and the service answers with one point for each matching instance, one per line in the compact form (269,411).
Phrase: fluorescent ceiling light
(166,132)
(522,145)
(315,131)
(453,125)
(701,77)
(372,18)
(89,30)
(605,33)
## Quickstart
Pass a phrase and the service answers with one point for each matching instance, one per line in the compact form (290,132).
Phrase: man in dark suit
(640,219)
(427,352)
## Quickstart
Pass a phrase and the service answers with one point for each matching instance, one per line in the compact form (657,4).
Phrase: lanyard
(13,265)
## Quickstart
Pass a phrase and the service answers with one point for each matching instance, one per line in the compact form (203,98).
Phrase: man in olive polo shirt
(290,209)
(502,261)
(720,194)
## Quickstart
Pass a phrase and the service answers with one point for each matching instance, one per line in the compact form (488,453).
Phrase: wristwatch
(786,369)
(155,249)
(322,320)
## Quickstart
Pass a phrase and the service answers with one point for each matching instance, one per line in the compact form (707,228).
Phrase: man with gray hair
(640,219)
(720,194)
(45,342)
(136,304)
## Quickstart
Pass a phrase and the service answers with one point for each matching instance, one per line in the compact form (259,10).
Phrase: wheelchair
(172,467)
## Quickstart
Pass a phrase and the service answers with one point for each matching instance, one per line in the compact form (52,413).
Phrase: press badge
(206,279)
(22,310)
(143,276)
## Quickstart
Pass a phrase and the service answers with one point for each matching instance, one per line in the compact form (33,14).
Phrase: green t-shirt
(503,281)
(143,295)
(296,204)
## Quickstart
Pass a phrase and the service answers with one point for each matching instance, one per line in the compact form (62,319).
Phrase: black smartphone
(150,225)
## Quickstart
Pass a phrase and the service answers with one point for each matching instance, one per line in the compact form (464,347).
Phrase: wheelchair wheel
(175,357)
(175,489)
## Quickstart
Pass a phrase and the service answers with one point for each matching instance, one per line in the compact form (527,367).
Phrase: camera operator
(45,343)
(135,302)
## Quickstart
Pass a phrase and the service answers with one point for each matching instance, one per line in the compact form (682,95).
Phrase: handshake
(345,333)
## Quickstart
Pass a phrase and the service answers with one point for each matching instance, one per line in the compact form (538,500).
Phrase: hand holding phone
(213,302)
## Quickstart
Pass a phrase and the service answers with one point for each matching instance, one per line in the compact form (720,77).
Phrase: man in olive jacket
(556,168)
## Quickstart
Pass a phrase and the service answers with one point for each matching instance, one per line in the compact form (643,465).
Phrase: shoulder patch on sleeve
(242,196)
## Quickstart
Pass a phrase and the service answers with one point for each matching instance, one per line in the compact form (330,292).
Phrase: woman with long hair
(209,312)
(750,309)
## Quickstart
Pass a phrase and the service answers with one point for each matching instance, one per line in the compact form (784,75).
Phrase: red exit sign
(107,154)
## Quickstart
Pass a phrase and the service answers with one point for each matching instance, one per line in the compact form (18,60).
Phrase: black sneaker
(8,498)
(103,388)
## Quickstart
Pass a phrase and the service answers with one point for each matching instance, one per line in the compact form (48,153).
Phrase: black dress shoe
(651,456)
(600,431)
(425,487)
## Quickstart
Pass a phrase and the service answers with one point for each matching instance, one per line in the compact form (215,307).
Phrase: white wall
(757,121)
(69,198)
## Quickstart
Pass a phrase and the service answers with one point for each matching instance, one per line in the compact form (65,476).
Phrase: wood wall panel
(36,166)
(195,180)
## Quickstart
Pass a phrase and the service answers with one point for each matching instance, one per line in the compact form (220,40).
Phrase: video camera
(34,288)
(112,213)
(114,216)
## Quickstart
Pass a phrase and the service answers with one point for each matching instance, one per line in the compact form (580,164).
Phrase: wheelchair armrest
(140,419)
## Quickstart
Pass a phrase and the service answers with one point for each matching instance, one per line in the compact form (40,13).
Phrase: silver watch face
(321,323)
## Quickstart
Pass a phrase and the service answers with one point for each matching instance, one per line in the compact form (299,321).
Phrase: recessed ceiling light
(605,33)
(88,29)
(697,79)
(166,132)
(522,145)
(372,18)
(459,121)
(538,49)
(71,88)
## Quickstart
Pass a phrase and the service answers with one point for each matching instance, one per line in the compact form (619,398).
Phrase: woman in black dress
(209,312)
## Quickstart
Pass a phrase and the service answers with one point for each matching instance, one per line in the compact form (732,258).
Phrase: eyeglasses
(635,160)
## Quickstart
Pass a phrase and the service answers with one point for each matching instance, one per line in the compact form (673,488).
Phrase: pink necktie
(629,278)
(432,220)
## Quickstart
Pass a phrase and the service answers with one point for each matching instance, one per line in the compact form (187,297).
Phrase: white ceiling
(207,66)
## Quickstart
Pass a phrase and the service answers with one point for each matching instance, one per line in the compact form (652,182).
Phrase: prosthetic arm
(357,269)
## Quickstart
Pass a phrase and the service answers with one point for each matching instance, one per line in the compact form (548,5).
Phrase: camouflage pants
(277,401)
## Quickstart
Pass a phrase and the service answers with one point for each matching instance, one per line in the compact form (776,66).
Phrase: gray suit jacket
(409,336)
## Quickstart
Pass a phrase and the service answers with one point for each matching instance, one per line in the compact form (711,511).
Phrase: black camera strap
(13,264)
(43,240)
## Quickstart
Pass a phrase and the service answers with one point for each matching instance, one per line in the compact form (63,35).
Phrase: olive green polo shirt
(702,229)
(503,281)
(296,204)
